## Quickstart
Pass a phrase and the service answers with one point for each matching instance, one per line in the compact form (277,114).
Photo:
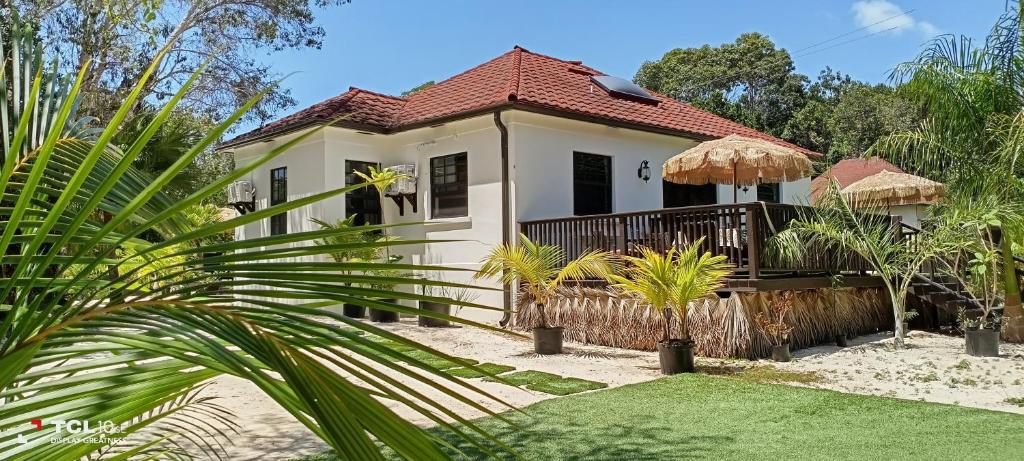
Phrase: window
(449,186)
(591,184)
(278,195)
(769,193)
(363,203)
(678,195)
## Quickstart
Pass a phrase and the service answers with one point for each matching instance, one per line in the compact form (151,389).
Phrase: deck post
(753,241)
(620,235)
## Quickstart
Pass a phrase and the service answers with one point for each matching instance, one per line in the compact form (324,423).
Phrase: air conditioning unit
(406,183)
(242,196)
(404,187)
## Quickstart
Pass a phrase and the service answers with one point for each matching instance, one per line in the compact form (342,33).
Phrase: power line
(854,31)
(846,42)
(804,51)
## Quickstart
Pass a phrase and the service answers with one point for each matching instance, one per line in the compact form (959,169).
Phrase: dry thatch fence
(719,327)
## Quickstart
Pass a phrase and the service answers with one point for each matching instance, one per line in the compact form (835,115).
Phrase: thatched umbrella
(736,160)
(888,188)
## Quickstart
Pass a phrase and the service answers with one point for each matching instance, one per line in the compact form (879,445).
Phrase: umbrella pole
(735,187)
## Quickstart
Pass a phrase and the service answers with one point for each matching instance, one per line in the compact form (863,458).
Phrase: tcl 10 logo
(78,426)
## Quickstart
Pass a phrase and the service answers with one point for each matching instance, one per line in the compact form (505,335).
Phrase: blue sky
(391,46)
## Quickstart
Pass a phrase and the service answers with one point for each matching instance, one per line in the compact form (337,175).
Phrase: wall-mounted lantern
(644,172)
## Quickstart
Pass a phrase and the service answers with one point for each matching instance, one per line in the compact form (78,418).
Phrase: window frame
(608,184)
(461,186)
(278,195)
(367,193)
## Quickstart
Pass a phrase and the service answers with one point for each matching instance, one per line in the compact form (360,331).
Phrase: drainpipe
(506,216)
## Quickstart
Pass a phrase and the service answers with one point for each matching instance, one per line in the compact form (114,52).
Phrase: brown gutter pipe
(506,215)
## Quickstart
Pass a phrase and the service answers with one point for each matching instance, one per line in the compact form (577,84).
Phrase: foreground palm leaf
(89,331)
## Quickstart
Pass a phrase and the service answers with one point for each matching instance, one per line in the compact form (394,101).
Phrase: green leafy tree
(844,117)
(70,349)
(420,87)
(122,37)
(753,82)
(180,132)
(749,80)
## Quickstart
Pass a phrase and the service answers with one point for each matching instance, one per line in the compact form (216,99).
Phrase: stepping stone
(492,368)
(520,378)
(566,386)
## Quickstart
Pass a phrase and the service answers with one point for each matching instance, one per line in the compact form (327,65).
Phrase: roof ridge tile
(516,77)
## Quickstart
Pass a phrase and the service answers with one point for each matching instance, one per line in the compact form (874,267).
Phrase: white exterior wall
(318,165)
(541,150)
(540,154)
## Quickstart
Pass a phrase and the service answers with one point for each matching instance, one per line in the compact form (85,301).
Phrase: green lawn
(699,416)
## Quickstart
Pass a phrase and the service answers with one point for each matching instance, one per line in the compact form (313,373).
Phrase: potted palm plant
(384,284)
(668,282)
(459,296)
(983,280)
(774,327)
(349,234)
(970,228)
(536,269)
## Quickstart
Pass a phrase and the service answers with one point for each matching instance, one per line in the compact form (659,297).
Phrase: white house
(521,137)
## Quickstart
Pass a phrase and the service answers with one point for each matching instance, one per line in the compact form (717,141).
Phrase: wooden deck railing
(740,232)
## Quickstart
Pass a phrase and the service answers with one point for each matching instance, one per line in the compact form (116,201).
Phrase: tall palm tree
(833,228)
(973,134)
(70,349)
(669,281)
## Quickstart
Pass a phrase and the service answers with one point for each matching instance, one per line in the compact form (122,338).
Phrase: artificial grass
(698,416)
(489,368)
(565,386)
(438,362)
(525,377)
(393,345)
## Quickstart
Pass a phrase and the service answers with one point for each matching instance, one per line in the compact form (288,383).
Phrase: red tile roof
(519,79)
(849,171)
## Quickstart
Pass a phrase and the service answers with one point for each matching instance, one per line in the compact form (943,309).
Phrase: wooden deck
(740,232)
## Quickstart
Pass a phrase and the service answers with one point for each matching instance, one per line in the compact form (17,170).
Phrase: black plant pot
(982,342)
(676,356)
(382,316)
(841,341)
(547,340)
(781,353)
(437,308)
(353,311)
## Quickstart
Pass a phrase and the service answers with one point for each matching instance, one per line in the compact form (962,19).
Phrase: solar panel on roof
(624,88)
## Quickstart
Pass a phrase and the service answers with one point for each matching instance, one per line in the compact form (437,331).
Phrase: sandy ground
(932,368)
(270,433)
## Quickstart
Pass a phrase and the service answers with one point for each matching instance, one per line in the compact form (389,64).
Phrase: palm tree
(539,271)
(70,349)
(669,282)
(974,130)
(834,228)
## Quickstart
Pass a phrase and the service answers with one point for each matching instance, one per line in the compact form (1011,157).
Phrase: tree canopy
(755,83)
(122,37)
